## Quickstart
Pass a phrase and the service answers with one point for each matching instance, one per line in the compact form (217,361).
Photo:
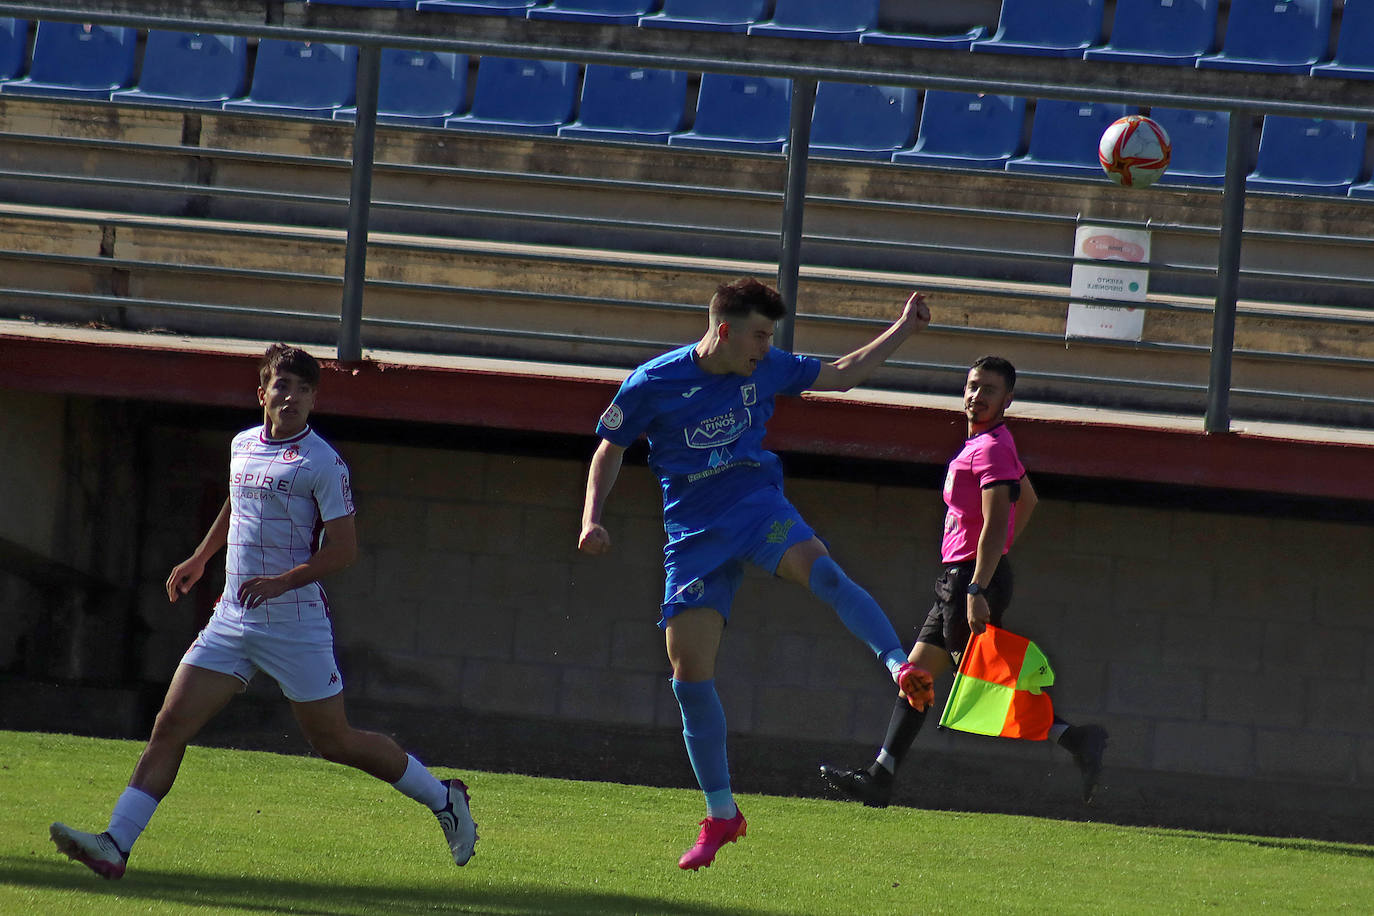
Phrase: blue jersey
(705,431)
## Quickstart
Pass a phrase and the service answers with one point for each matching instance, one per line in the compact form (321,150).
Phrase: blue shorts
(704,567)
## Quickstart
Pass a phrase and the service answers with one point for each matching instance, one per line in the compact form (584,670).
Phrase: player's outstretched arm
(338,551)
(854,368)
(605,468)
(188,572)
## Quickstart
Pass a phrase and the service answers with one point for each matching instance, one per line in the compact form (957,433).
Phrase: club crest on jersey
(613,417)
(750,394)
(291,453)
(719,430)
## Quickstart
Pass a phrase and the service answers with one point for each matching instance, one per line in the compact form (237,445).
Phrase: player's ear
(723,330)
(262,396)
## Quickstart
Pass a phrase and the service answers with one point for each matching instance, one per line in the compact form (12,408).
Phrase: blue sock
(703,729)
(857,609)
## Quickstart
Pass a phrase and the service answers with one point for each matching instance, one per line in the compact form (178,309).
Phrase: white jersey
(281,492)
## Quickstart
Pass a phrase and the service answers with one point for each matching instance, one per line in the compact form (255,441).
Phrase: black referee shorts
(947,624)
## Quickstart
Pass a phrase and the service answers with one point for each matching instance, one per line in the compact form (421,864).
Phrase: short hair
(741,297)
(282,357)
(999,365)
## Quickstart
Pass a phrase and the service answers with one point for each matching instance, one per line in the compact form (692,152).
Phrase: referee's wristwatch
(975,589)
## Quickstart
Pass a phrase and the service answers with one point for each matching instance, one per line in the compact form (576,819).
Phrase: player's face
(986,397)
(749,341)
(286,403)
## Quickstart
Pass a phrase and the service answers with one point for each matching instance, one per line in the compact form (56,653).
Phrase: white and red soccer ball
(1134,151)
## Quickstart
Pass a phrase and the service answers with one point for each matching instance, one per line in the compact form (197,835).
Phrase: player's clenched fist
(594,540)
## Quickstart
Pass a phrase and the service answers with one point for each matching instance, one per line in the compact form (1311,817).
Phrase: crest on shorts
(750,393)
(613,417)
(696,590)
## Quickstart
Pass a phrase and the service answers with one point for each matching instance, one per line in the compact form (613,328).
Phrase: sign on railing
(1096,275)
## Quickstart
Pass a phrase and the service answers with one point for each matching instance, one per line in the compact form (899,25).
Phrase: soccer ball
(1134,151)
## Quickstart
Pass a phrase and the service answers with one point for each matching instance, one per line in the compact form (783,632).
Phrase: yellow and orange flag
(997,690)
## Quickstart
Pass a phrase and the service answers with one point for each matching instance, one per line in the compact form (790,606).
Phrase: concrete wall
(1213,645)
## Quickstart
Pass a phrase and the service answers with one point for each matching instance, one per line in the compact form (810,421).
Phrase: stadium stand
(822,19)
(1355,46)
(864,122)
(378,4)
(1045,28)
(1064,137)
(301,79)
(77,60)
(1199,145)
(609,11)
(1285,36)
(190,68)
(417,88)
(525,96)
(518,8)
(707,15)
(629,103)
(1160,32)
(14,41)
(741,113)
(965,129)
(1308,156)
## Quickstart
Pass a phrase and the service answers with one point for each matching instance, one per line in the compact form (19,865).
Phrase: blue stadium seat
(1365,189)
(480,8)
(707,15)
(1160,32)
(523,96)
(630,103)
(1045,28)
(1308,156)
(418,88)
(967,129)
(188,68)
(957,42)
(1199,145)
(78,61)
(739,113)
(305,79)
(612,11)
(1277,36)
(14,40)
(828,19)
(1355,47)
(863,122)
(1064,137)
(384,4)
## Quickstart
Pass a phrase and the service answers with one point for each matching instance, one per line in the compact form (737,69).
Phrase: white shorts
(297,654)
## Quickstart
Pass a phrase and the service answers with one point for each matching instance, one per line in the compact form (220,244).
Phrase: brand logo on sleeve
(613,417)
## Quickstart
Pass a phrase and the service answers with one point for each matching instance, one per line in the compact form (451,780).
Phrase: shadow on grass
(1293,844)
(257,895)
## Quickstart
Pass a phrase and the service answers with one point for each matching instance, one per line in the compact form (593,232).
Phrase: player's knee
(827,578)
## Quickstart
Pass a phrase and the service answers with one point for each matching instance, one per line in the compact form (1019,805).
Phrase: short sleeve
(799,373)
(333,493)
(625,419)
(996,463)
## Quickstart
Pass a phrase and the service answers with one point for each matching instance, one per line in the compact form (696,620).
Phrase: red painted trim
(561,404)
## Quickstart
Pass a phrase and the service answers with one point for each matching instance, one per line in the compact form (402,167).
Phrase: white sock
(418,783)
(887,762)
(130,817)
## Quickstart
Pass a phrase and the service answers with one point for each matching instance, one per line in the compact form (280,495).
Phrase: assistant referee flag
(997,688)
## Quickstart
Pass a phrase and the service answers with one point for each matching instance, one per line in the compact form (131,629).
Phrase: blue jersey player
(703,408)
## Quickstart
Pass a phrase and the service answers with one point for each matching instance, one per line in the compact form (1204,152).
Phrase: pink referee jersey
(986,459)
(281,492)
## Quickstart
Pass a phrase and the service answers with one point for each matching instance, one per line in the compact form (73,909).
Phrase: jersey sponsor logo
(750,394)
(691,391)
(719,456)
(613,417)
(291,453)
(246,479)
(719,430)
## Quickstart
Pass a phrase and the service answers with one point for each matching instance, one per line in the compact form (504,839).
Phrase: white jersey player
(287,523)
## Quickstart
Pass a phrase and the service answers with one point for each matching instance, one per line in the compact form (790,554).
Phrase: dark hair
(999,365)
(739,298)
(283,358)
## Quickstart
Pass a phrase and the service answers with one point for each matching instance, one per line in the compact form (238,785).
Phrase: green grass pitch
(254,833)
